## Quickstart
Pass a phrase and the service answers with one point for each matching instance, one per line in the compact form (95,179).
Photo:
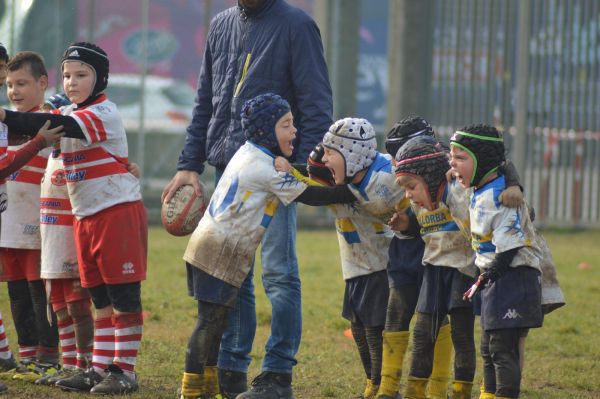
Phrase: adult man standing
(256,47)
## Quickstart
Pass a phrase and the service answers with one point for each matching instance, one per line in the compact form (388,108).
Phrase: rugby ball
(183,212)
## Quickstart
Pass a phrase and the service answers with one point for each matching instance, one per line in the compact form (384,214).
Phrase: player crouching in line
(449,269)
(442,211)
(364,241)
(220,252)
(109,213)
(506,254)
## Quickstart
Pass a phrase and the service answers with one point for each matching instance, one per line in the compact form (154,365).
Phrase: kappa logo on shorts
(512,314)
(128,268)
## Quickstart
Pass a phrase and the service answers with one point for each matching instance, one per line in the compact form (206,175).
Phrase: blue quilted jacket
(275,49)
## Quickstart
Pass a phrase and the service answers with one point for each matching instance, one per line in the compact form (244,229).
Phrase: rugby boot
(51,379)
(39,370)
(268,385)
(415,388)
(82,381)
(232,383)
(461,389)
(116,382)
(8,364)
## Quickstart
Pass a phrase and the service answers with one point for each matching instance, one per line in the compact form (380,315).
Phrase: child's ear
(44,82)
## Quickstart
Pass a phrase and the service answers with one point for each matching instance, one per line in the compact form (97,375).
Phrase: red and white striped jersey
(96,167)
(4,162)
(56,224)
(20,226)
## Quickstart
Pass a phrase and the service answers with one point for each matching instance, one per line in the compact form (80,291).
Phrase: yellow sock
(192,386)
(461,389)
(415,388)
(211,380)
(442,359)
(370,389)
(394,348)
(486,395)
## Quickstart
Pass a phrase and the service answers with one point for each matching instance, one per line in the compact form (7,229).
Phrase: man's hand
(181,178)
(50,136)
(399,221)
(282,165)
(511,197)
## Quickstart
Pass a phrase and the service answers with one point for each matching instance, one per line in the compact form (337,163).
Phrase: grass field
(563,357)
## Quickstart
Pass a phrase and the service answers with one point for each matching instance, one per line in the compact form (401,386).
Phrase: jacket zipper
(238,86)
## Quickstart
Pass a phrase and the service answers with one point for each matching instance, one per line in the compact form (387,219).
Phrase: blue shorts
(406,262)
(204,287)
(366,298)
(442,290)
(513,301)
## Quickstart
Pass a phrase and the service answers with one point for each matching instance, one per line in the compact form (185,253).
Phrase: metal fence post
(409,58)
(522,86)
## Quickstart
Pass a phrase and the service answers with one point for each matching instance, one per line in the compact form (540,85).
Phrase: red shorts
(112,245)
(20,264)
(65,290)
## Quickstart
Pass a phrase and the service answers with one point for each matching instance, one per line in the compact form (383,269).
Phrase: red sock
(66,334)
(104,344)
(5,352)
(84,356)
(27,353)
(128,335)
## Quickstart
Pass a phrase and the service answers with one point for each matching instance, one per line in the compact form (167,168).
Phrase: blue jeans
(282,285)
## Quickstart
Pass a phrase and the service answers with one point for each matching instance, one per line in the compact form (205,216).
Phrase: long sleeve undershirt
(28,123)
(24,155)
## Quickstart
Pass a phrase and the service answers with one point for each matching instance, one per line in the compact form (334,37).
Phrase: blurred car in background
(169,102)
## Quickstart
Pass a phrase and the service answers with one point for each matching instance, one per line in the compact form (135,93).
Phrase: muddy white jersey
(56,224)
(447,241)
(496,228)
(363,239)
(96,167)
(378,192)
(20,227)
(238,214)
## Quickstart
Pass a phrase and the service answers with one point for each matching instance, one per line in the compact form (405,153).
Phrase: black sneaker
(115,383)
(270,385)
(82,381)
(232,383)
(51,379)
(8,364)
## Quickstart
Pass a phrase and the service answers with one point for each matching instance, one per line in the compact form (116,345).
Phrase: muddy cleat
(232,383)
(51,379)
(115,383)
(8,364)
(35,371)
(81,381)
(21,367)
(3,388)
(270,385)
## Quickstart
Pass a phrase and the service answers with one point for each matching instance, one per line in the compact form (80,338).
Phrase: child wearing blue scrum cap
(506,254)
(220,252)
